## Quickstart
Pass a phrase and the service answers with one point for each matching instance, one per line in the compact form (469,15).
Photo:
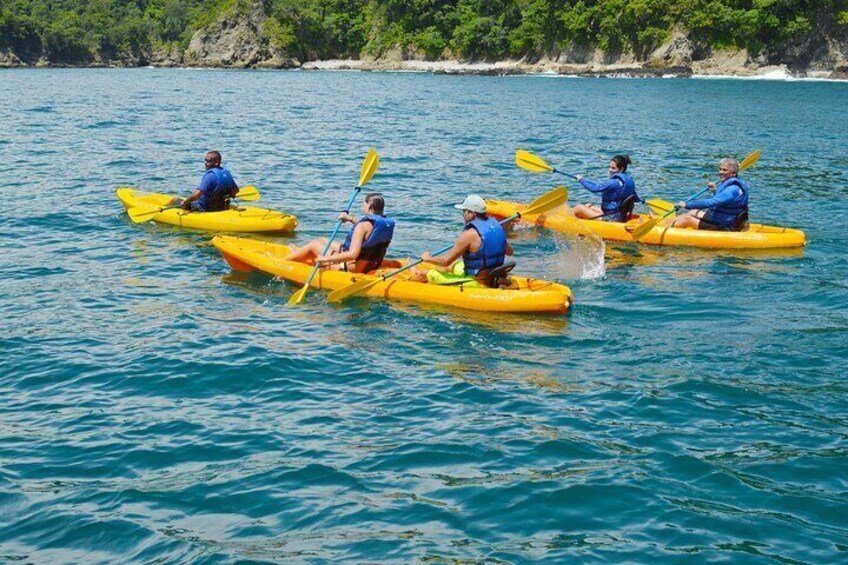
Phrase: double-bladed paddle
(547,201)
(369,167)
(144,212)
(645,227)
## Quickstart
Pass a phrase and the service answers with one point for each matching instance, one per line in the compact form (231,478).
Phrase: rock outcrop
(236,40)
(9,59)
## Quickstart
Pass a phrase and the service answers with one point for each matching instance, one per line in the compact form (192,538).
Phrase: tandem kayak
(757,236)
(525,295)
(245,219)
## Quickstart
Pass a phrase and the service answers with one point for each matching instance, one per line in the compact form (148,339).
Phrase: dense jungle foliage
(79,31)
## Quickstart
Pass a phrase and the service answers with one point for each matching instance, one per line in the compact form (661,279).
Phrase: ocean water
(158,408)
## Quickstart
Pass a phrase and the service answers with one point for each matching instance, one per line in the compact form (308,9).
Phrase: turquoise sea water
(158,408)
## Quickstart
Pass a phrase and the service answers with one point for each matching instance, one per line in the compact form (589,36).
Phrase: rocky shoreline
(707,68)
(552,68)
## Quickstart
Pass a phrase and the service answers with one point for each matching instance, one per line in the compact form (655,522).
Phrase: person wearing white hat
(482,244)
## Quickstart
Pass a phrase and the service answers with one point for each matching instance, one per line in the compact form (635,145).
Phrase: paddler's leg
(691,219)
(587,211)
(310,251)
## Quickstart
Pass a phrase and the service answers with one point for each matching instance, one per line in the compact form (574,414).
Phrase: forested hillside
(145,31)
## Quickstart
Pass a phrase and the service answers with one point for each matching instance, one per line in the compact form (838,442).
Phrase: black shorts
(707,223)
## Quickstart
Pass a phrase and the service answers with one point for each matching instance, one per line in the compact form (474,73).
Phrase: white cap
(472,203)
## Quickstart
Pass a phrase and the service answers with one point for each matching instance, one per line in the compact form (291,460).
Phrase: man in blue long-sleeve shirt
(726,210)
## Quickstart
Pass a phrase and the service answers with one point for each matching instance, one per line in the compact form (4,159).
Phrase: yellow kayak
(240,219)
(525,295)
(757,236)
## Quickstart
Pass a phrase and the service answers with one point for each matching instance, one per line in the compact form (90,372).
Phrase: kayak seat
(498,276)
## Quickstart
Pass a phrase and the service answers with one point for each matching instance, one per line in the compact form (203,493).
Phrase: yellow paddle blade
(369,167)
(298,296)
(645,227)
(750,160)
(659,206)
(249,193)
(532,163)
(142,213)
(548,201)
(354,288)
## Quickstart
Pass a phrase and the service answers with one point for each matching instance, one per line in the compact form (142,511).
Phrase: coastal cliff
(463,37)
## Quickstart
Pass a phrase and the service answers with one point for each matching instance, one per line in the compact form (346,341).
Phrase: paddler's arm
(723,197)
(596,186)
(455,252)
(194,196)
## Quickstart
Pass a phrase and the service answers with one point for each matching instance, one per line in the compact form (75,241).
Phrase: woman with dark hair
(364,247)
(618,194)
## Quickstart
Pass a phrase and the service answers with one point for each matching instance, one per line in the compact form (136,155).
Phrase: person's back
(490,252)
(217,187)
(482,245)
(376,243)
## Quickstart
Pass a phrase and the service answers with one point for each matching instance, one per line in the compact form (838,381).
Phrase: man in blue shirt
(726,210)
(216,188)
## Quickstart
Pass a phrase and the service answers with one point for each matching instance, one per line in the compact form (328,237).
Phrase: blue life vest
(617,203)
(216,197)
(734,213)
(492,249)
(374,248)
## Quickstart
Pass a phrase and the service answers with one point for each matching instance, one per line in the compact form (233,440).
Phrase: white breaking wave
(776,75)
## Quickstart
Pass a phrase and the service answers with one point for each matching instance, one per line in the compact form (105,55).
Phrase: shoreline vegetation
(635,38)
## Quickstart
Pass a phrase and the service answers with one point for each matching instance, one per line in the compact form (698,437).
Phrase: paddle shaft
(676,208)
(335,232)
(569,175)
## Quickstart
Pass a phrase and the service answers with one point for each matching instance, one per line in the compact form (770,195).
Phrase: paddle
(369,167)
(644,228)
(535,164)
(144,212)
(659,206)
(547,201)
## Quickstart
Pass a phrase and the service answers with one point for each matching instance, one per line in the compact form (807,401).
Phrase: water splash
(576,257)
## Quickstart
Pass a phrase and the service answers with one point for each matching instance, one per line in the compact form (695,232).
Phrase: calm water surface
(158,408)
